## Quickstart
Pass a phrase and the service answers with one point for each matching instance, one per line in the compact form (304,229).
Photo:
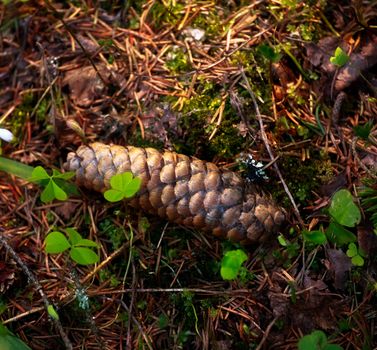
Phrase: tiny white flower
(6,135)
(194,33)
(198,34)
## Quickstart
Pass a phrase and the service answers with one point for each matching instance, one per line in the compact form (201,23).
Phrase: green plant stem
(16,168)
(319,121)
(324,19)
(293,58)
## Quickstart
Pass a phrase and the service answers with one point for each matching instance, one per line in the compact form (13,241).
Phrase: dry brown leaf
(85,85)
(66,209)
(339,266)
(360,61)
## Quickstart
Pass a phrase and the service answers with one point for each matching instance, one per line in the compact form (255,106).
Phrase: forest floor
(215,80)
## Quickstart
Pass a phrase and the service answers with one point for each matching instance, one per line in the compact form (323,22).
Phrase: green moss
(116,234)
(177,60)
(197,125)
(303,178)
(137,140)
(307,22)
(106,274)
(170,14)
(210,22)
(21,114)
(244,58)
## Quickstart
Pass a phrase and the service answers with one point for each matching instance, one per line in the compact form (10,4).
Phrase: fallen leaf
(367,240)
(66,209)
(361,60)
(357,64)
(85,84)
(339,266)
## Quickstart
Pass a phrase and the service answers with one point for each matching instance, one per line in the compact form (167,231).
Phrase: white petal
(6,135)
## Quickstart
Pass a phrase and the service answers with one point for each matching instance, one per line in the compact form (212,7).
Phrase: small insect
(253,170)
(53,66)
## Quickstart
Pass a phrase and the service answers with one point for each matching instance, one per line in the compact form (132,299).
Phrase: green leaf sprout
(317,236)
(55,188)
(340,58)
(52,312)
(80,249)
(355,254)
(123,185)
(231,264)
(317,340)
(343,210)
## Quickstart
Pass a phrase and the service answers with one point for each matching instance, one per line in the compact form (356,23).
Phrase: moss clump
(210,22)
(116,234)
(303,178)
(137,140)
(171,13)
(177,61)
(198,126)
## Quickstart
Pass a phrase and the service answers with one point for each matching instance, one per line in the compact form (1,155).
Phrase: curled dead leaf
(86,85)
(339,265)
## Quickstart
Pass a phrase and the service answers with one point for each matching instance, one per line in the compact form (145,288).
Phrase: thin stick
(24,314)
(266,333)
(361,164)
(265,140)
(138,325)
(104,263)
(38,288)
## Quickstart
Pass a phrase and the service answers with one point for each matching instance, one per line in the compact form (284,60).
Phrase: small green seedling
(343,212)
(80,249)
(317,340)
(292,249)
(317,237)
(55,184)
(363,131)
(340,58)
(231,264)
(52,312)
(269,53)
(123,185)
(8,341)
(356,254)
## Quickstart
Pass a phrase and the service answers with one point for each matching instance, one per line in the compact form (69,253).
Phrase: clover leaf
(344,210)
(355,254)
(231,264)
(340,58)
(317,340)
(55,185)
(83,255)
(56,243)
(79,248)
(123,185)
(317,236)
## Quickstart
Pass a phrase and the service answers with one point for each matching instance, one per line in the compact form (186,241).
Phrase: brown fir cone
(182,189)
